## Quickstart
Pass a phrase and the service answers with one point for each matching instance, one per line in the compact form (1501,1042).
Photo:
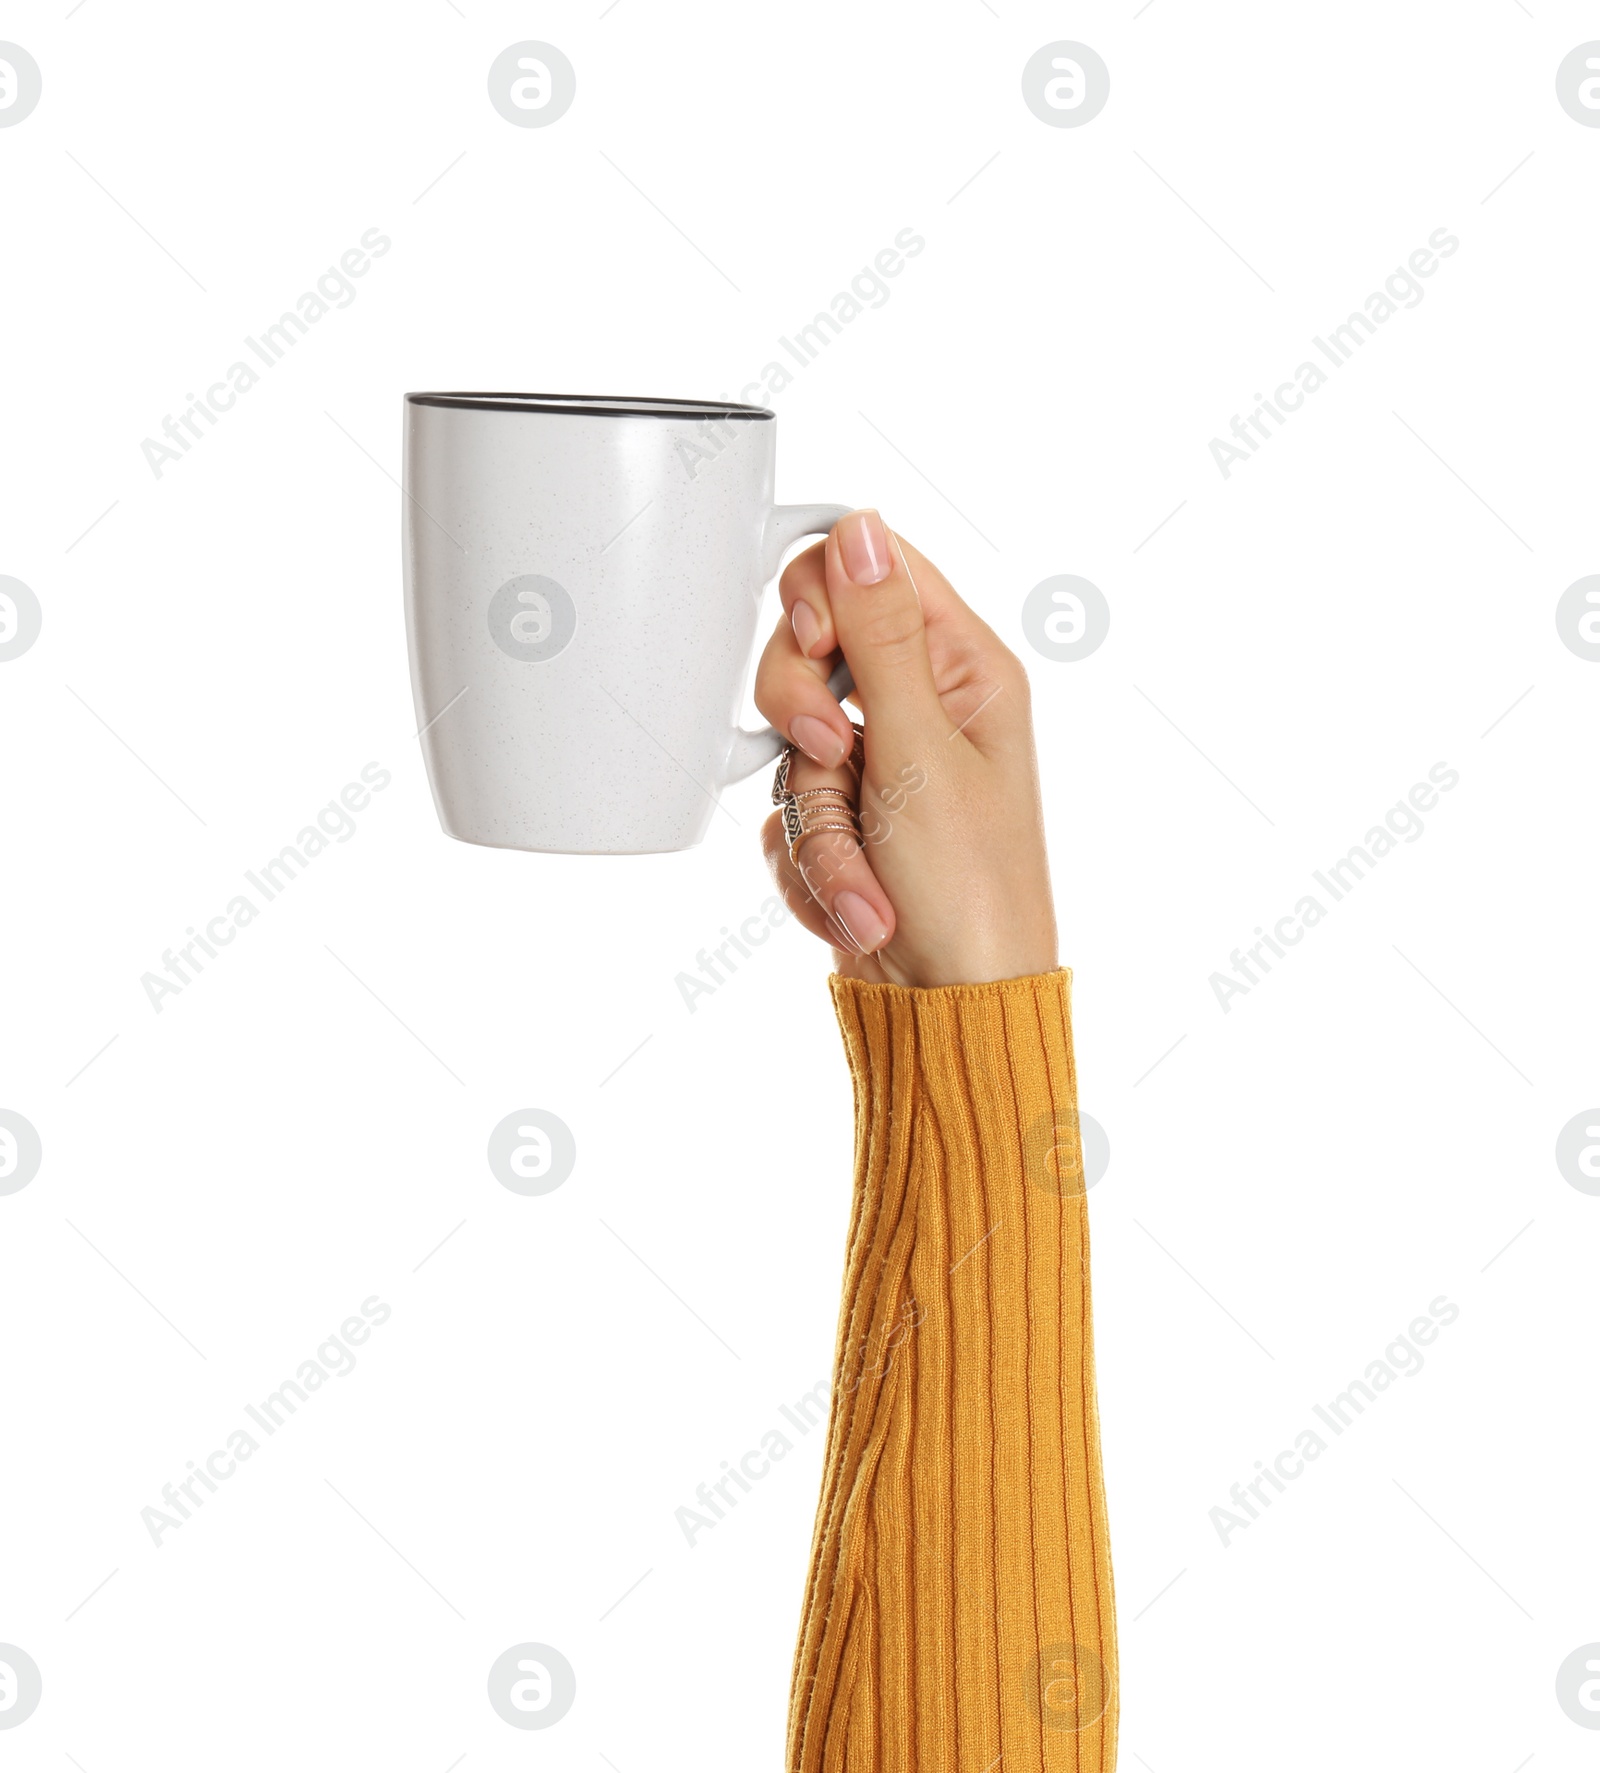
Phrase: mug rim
(604,406)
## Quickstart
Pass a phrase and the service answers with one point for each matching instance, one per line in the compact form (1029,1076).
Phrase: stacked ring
(813,810)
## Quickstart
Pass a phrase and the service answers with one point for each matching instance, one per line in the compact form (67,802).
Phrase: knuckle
(773,692)
(806,773)
(805,576)
(1000,669)
(992,655)
(1008,662)
(825,858)
(1013,674)
(894,632)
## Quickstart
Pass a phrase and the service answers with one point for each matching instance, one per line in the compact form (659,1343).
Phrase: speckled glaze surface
(582,581)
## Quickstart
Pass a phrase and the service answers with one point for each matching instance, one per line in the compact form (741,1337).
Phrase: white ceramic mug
(582,581)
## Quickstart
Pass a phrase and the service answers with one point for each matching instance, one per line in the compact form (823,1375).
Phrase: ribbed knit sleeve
(959,1608)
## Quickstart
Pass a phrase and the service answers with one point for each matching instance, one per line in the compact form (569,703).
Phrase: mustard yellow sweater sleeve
(959,1608)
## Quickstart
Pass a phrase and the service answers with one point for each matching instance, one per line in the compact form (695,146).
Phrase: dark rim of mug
(600,406)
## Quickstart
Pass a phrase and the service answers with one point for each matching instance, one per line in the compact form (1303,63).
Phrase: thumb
(877,616)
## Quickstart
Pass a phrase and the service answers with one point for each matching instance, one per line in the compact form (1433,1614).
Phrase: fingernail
(864,547)
(861,922)
(817,739)
(807,629)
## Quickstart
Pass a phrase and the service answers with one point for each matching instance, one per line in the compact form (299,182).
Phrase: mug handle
(786,524)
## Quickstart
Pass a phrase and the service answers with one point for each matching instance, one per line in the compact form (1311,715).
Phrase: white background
(222,651)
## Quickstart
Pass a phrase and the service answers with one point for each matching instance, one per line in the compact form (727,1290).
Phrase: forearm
(959,1607)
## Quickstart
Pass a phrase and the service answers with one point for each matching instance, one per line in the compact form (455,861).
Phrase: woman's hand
(951,885)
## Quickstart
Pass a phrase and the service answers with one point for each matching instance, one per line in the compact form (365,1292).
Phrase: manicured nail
(817,739)
(864,547)
(862,924)
(807,629)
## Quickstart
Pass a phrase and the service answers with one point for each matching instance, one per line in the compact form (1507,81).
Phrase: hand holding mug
(950,883)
